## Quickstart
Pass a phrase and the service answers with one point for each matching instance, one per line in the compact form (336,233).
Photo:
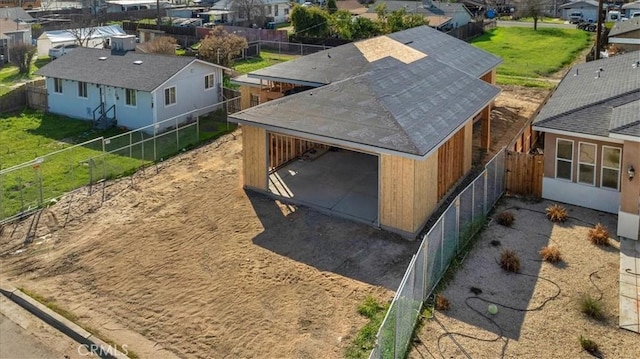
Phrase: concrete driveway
(630,285)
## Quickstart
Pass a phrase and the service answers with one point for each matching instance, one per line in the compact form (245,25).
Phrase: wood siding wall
(254,155)
(524,173)
(407,195)
(285,148)
(451,161)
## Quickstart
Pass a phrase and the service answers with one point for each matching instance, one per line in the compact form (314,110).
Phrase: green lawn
(9,75)
(33,134)
(266,59)
(532,54)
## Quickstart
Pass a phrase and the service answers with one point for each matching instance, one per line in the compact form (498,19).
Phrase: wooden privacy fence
(523,174)
(37,95)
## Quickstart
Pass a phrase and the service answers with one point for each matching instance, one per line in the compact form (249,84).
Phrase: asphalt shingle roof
(83,64)
(621,27)
(587,103)
(14,13)
(345,61)
(418,7)
(410,108)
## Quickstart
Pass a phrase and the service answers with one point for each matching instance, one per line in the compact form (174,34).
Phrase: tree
(219,46)
(165,45)
(332,7)
(310,21)
(21,56)
(353,28)
(82,30)
(534,9)
(252,10)
(398,20)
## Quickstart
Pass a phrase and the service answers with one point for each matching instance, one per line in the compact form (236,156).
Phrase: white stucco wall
(628,225)
(191,96)
(580,195)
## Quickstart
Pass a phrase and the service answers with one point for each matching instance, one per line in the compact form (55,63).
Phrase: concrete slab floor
(343,182)
(630,285)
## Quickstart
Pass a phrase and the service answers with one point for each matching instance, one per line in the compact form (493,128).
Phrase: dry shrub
(589,346)
(557,213)
(599,235)
(550,254)
(442,303)
(505,218)
(509,261)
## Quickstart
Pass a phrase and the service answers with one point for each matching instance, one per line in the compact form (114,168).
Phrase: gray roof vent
(102,58)
(137,62)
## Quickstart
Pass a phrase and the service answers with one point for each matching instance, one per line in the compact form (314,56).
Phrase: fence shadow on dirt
(332,244)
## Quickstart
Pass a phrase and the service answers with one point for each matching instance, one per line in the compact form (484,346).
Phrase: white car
(61,50)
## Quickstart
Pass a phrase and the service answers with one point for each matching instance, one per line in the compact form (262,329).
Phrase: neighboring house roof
(84,64)
(631,5)
(56,36)
(581,3)
(344,61)
(597,105)
(8,26)
(353,6)
(623,27)
(434,8)
(228,4)
(405,93)
(14,13)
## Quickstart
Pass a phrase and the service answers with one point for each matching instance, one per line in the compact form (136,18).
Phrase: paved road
(22,335)
(530,24)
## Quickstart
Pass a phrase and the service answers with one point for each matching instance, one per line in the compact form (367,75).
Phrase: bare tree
(82,30)
(254,11)
(21,56)
(165,45)
(219,46)
(533,9)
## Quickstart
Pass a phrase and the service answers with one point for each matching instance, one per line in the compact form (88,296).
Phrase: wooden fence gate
(37,96)
(524,173)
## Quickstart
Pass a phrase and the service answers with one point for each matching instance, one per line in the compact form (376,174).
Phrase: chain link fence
(447,237)
(279,48)
(32,185)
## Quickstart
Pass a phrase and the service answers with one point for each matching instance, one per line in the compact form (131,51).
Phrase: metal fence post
(177,137)
(457,208)
(21,194)
(484,207)
(130,144)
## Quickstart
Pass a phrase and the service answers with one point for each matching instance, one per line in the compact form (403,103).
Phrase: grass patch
(51,304)
(365,340)
(266,59)
(529,53)
(33,134)
(591,307)
(10,76)
(590,347)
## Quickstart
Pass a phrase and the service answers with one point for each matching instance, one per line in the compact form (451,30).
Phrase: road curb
(72,330)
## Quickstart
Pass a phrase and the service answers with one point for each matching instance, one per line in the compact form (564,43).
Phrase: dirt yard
(538,310)
(179,261)
(190,262)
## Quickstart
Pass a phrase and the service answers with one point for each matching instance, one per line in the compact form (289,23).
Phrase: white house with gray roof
(133,89)
(441,15)
(588,9)
(591,128)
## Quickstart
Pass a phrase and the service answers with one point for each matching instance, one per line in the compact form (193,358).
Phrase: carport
(331,179)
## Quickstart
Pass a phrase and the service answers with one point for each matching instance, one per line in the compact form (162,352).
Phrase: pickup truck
(61,50)
(575,17)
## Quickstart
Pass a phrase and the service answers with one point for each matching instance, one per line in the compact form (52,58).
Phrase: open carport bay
(337,180)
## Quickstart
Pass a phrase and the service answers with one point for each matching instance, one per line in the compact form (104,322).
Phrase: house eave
(625,137)
(577,134)
(286,80)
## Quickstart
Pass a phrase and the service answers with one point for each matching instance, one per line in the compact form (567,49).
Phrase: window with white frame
(286,11)
(130,97)
(82,89)
(254,100)
(610,177)
(170,96)
(587,163)
(564,159)
(57,85)
(275,8)
(209,81)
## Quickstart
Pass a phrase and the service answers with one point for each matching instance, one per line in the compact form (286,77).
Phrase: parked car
(61,50)
(575,17)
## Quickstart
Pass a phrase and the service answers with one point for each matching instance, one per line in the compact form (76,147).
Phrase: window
(130,97)
(254,100)
(57,85)
(587,164)
(610,167)
(275,8)
(82,89)
(170,96)
(286,11)
(269,9)
(564,159)
(209,81)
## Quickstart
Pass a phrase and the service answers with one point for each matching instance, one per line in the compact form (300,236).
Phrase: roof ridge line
(584,107)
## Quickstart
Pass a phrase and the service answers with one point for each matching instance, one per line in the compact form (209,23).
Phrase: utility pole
(158,14)
(598,31)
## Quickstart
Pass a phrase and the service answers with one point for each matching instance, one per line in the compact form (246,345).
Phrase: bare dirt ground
(538,311)
(179,261)
(185,263)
